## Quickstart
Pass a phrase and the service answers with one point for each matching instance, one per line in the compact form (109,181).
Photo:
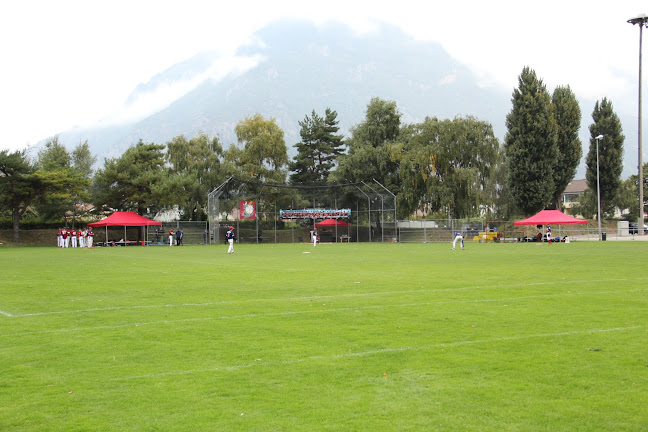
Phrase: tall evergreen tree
(72,184)
(137,181)
(53,155)
(531,144)
(83,159)
(318,150)
(21,184)
(568,119)
(610,165)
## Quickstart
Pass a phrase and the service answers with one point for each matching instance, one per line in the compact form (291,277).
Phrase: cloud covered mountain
(294,67)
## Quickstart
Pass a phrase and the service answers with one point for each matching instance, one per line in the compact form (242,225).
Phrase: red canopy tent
(551,217)
(332,223)
(124,219)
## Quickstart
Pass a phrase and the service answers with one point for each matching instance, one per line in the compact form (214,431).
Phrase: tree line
(441,167)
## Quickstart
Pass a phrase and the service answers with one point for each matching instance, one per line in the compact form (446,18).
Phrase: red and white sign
(247,210)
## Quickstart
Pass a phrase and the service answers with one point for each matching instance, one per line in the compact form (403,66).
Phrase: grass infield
(362,337)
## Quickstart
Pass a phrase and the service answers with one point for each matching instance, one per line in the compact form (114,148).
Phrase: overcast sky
(74,63)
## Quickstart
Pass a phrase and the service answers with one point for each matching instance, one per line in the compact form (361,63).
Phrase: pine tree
(531,144)
(606,123)
(568,119)
(318,150)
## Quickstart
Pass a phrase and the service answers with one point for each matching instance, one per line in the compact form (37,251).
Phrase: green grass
(362,337)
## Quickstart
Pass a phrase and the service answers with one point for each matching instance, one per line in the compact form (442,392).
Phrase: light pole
(642,20)
(598,186)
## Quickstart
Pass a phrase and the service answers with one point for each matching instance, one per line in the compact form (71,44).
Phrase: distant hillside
(305,67)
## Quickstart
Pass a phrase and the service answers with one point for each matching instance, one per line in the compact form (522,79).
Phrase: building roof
(576,187)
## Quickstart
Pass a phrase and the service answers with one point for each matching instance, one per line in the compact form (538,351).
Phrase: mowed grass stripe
(552,284)
(295,312)
(379,351)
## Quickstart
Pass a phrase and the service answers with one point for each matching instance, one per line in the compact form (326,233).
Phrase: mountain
(299,68)
(295,67)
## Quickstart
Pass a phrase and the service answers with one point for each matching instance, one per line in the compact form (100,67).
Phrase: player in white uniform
(82,238)
(90,238)
(315,237)
(66,237)
(457,238)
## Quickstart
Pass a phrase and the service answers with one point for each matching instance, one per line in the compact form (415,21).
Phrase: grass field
(350,337)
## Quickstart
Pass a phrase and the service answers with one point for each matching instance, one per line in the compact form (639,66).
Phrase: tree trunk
(16,226)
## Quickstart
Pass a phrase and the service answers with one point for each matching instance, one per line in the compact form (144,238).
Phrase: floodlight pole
(642,20)
(598,186)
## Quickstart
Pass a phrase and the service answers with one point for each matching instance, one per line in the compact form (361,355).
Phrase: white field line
(7,314)
(310,311)
(368,353)
(322,297)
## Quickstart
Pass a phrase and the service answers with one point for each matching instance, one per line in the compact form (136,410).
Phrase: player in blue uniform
(229,235)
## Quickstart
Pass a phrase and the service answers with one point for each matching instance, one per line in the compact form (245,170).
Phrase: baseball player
(458,237)
(64,234)
(89,237)
(74,237)
(230,236)
(315,237)
(171,237)
(549,234)
(82,237)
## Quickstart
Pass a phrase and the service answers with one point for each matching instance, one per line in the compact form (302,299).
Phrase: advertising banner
(315,214)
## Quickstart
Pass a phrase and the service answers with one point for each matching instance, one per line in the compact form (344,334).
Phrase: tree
(264,155)
(448,165)
(568,119)
(136,181)
(531,144)
(18,186)
(197,165)
(373,149)
(83,160)
(21,184)
(318,150)
(610,151)
(261,157)
(73,182)
(627,198)
(53,155)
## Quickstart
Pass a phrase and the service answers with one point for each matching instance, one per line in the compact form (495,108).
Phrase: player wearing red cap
(229,235)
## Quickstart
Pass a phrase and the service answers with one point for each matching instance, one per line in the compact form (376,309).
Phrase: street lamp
(642,20)
(598,186)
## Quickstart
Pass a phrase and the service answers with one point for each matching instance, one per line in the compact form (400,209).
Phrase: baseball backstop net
(285,213)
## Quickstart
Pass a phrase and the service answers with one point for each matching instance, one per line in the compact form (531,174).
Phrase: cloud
(157,97)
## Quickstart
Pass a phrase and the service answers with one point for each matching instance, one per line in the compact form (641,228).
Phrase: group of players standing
(74,238)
